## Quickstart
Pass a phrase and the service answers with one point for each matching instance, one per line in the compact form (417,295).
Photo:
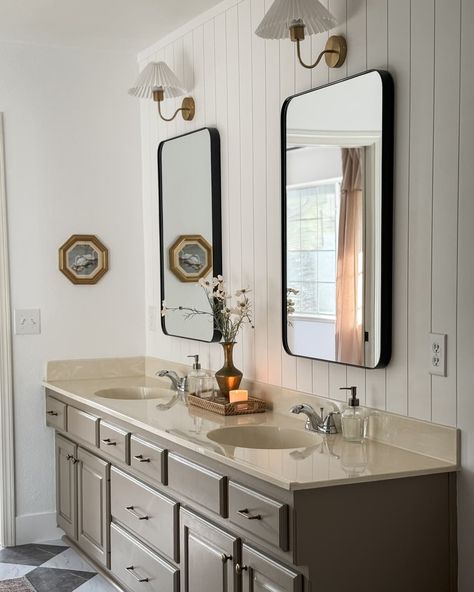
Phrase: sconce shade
(283,13)
(157,76)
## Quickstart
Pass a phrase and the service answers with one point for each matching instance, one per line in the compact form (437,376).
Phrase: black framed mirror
(337,161)
(189,180)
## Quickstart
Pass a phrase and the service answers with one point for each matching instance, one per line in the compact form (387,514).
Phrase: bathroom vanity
(168,498)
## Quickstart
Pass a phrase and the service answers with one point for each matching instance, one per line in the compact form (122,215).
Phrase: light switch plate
(438,343)
(27,321)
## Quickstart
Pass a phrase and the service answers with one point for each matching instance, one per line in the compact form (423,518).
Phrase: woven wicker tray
(223,407)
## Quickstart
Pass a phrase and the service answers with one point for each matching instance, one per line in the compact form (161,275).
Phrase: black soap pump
(353,418)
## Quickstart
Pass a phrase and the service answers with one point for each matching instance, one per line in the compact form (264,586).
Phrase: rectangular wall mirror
(190,228)
(337,154)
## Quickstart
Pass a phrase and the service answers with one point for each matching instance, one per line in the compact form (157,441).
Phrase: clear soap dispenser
(353,419)
(195,374)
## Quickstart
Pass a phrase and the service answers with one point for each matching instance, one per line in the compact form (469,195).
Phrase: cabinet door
(66,505)
(207,556)
(93,511)
(262,574)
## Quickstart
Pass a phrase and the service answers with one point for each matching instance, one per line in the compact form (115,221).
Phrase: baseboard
(35,528)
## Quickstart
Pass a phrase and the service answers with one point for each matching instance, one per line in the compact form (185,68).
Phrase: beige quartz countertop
(330,461)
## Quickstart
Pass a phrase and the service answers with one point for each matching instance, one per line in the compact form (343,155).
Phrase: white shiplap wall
(239,82)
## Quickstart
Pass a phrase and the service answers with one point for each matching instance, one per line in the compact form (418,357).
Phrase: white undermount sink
(133,393)
(263,437)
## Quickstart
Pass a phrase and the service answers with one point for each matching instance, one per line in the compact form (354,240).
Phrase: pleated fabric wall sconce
(158,82)
(290,18)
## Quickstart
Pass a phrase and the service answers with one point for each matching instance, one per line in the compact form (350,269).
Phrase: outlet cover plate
(438,343)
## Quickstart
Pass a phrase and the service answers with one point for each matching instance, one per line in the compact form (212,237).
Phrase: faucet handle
(329,425)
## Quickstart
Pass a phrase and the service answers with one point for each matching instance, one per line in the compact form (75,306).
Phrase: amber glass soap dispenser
(353,419)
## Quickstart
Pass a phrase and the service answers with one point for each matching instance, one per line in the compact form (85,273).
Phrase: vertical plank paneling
(338,373)
(420,211)
(210,74)
(356,62)
(246,173)
(377,34)
(445,197)
(377,24)
(399,66)
(212,357)
(234,237)
(320,76)
(304,368)
(339,10)
(258,72)
(239,82)
(220,59)
(272,77)
(357,36)
(287,88)
(197,78)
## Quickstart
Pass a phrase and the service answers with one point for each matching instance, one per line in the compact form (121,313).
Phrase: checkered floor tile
(51,566)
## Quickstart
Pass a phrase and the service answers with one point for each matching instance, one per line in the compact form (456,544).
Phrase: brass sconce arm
(318,59)
(188,107)
(335,51)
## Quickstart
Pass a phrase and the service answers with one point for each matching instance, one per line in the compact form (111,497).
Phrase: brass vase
(228,377)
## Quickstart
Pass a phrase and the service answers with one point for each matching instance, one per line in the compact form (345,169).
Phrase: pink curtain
(349,280)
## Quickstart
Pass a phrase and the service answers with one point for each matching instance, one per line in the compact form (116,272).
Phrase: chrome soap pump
(353,419)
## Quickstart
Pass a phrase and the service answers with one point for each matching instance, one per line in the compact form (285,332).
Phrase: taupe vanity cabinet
(159,517)
(82,486)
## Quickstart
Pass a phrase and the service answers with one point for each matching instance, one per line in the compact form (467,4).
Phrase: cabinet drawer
(259,515)
(137,567)
(55,414)
(82,425)
(200,485)
(148,459)
(114,441)
(262,573)
(147,513)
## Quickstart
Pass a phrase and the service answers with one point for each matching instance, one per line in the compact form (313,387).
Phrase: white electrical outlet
(438,354)
(27,321)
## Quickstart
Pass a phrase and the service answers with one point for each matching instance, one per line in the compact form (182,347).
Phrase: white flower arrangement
(290,303)
(228,317)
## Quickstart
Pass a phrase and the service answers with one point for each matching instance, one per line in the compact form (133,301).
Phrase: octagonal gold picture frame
(83,259)
(190,257)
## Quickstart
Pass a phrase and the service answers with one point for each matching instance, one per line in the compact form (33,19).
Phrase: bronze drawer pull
(52,413)
(140,458)
(69,457)
(225,558)
(246,514)
(109,442)
(240,568)
(132,511)
(131,570)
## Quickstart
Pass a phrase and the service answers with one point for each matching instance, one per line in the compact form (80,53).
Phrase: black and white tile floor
(51,566)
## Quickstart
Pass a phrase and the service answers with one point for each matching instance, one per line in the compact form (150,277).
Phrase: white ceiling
(129,25)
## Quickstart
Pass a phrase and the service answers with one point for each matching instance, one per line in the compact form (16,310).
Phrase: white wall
(239,82)
(72,166)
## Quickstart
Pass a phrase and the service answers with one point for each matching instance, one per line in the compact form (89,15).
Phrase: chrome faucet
(180,384)
(315,421)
